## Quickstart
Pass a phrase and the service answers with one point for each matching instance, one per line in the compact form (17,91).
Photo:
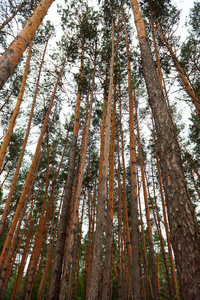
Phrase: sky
(184,5)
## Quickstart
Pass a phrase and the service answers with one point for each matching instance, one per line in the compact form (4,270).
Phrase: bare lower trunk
(184,229)
(55,281)
(135,274)
(96,263)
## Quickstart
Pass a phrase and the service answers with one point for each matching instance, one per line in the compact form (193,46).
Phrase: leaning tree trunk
(184,228)
(13,119)
(185,79)
(14,181)
(28,179)
(11,56)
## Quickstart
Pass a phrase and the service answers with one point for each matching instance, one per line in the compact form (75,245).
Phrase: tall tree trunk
(125,271)
(39,234)
(186,82)
(54,288)
(73,223)
(171,259)
(14,181)
(11,125)
(124,203)
(49,254)
(155,45)
(73,271)
(145,263)
(79,253)
(184,228)
(109,220)
(157,222)
(12,55)
(96,263)
(9,256)
(149,227)
(119,215)
(22,264)
(110,205)
(28,179)
(136,280)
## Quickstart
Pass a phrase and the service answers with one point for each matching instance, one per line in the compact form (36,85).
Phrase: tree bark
(55,281)
(136,274)
(186,82)
(184,228)
(96,263)
(149,227)
(12,188)
(73,223)
(11,125)
(171,259)
(28,179)
(145,263)
(124,204)
(11,56)
(110,205)
(49,254)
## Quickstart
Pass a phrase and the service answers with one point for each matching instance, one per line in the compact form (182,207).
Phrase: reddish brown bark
(49,254)
(157,222)
(136,273)
(39,234)
(119,215)
(110,205)
(145,263)
(73,225)
(79,253)
(96,263)
(22,264)
(14,181)
(16,110)
(10,256)
(186,82)
(28,179)
(124,201)
(149,227)
(54,288)
(12,55)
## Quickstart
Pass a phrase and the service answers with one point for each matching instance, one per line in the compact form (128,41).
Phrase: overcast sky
(184,5)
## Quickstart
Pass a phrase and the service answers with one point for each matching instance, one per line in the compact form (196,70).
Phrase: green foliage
(164,12)
(189,58)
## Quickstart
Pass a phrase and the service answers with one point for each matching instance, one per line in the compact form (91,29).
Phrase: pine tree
(183,235)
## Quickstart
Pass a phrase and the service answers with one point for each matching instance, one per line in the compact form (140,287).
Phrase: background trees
(72,203)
